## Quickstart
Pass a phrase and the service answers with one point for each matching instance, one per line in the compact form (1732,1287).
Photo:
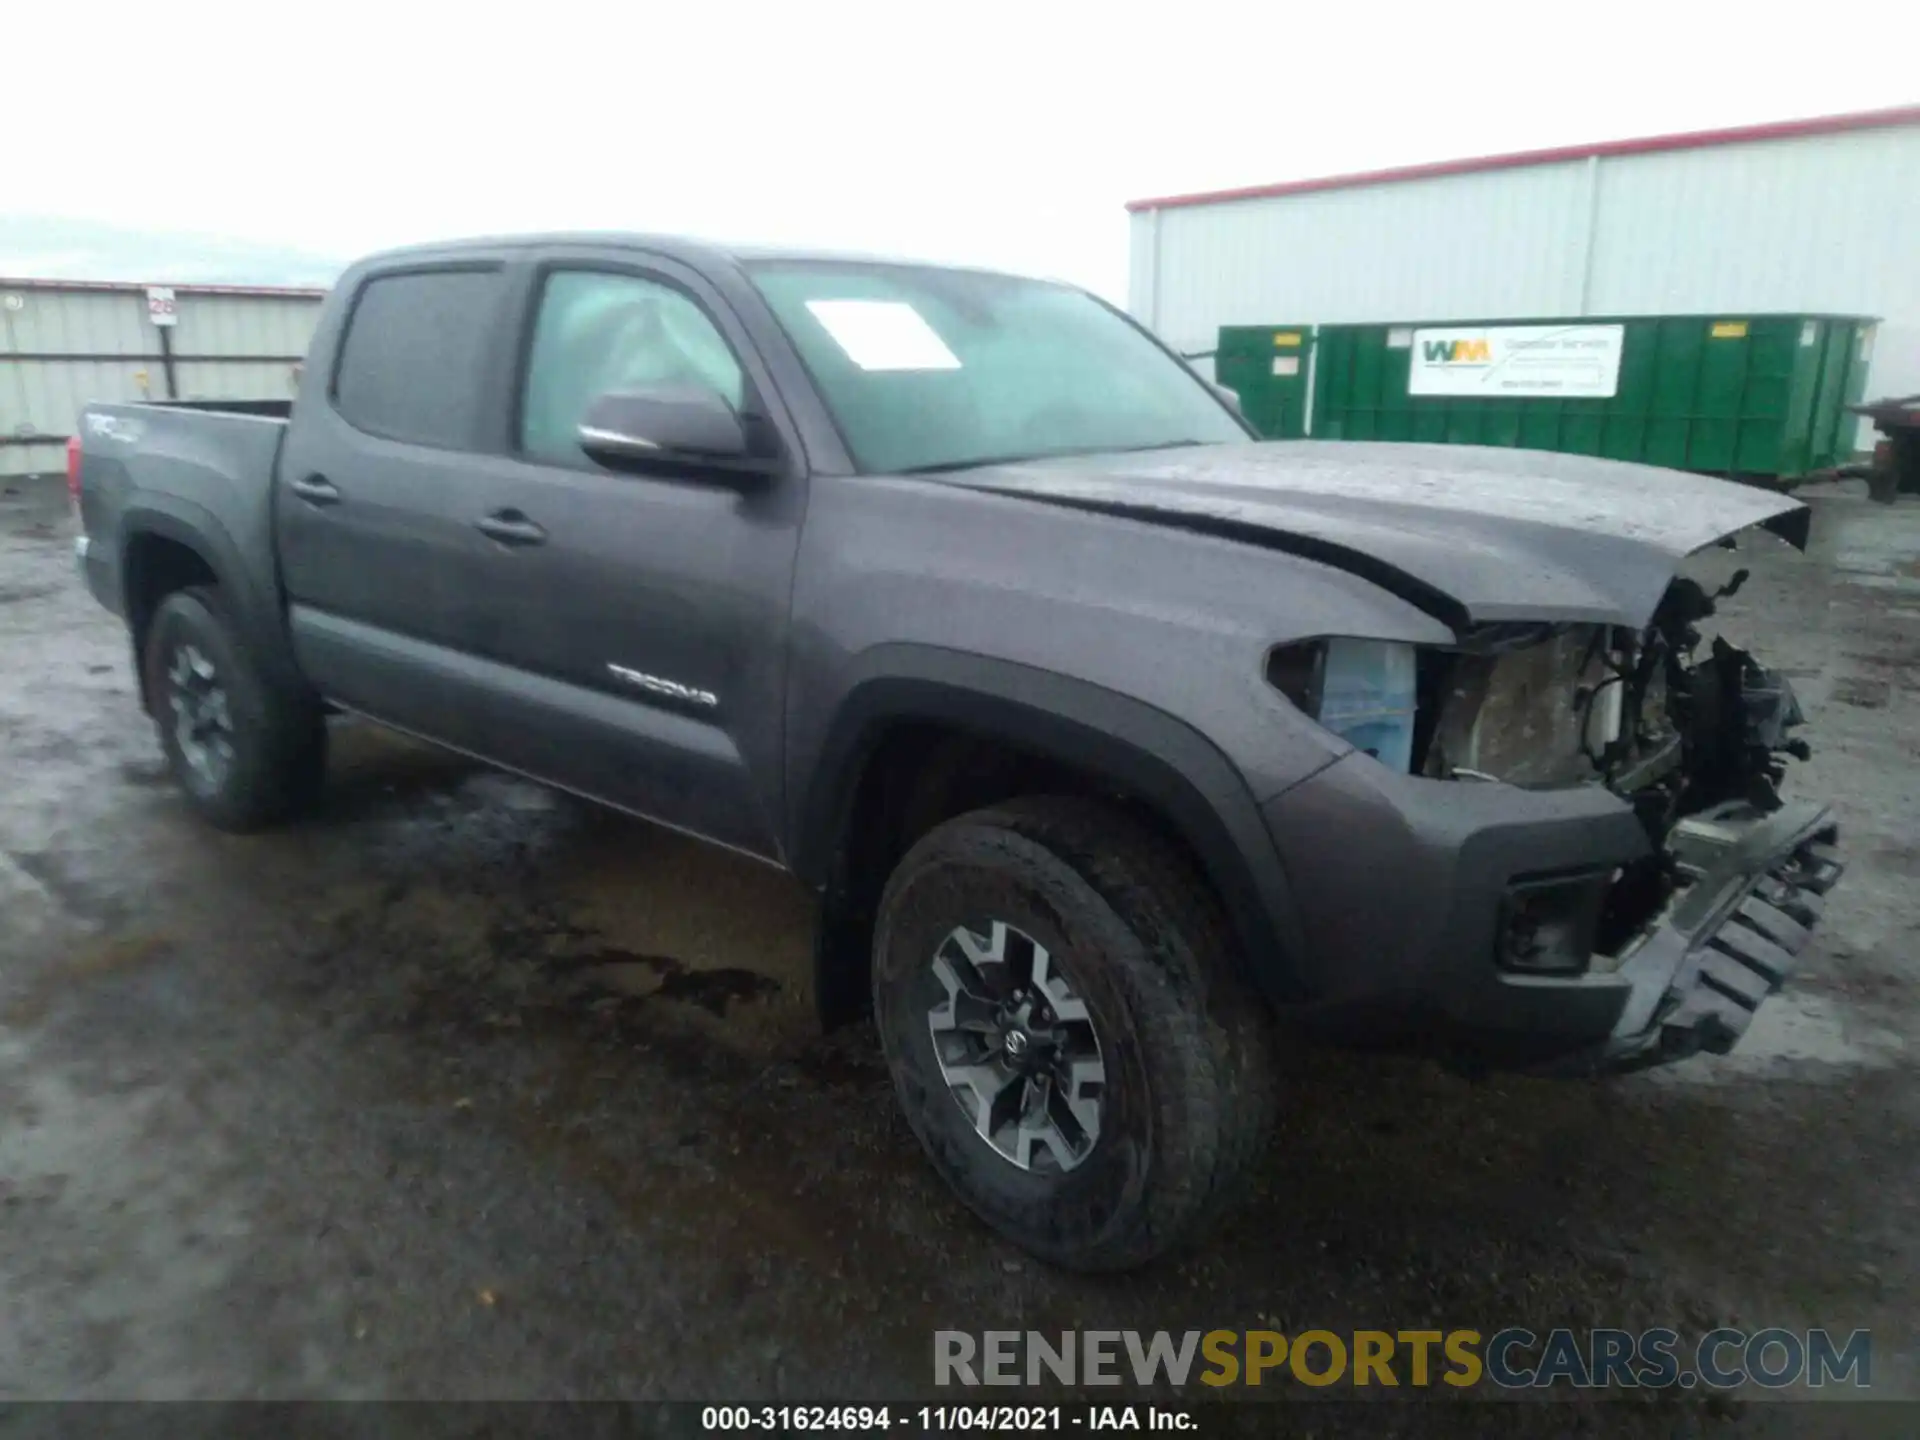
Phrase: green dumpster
(1762,396)
(1267,366)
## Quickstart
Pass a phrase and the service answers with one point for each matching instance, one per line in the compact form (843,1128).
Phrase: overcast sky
(1000,134)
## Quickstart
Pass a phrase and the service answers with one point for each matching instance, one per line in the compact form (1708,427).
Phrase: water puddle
(622,973)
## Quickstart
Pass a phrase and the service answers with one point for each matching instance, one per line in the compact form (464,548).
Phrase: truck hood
(1470,534)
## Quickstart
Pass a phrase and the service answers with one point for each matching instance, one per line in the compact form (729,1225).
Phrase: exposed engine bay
(1674,725)
(1669,728)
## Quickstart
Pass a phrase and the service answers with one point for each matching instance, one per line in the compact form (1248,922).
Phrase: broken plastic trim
(1701,969)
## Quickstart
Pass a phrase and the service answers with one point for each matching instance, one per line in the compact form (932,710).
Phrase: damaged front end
(1694,735)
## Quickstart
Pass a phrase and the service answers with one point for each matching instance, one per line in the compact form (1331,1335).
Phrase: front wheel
(1066,1031)
(245,752)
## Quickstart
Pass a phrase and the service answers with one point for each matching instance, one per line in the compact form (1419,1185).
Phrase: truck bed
(205,466)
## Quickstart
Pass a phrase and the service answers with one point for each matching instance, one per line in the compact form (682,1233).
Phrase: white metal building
(1800,217)
(64,343)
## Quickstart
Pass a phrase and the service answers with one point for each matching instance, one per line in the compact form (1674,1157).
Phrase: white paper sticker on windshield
(883,335)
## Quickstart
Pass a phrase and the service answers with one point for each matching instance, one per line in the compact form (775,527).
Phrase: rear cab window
(413,361)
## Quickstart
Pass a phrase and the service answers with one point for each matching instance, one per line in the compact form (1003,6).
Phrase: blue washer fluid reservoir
(1367,698)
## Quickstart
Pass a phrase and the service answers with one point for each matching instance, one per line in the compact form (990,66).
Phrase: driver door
(640,620)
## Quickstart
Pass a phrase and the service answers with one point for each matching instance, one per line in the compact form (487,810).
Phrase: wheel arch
(158,530)
(1116,744)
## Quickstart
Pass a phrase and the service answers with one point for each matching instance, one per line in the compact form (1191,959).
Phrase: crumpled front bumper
(1731,937)
(1402,885)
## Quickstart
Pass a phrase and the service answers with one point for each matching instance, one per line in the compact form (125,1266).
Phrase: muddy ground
(465,1089)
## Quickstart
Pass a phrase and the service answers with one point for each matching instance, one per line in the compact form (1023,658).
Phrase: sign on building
(1576,361)
(160,306)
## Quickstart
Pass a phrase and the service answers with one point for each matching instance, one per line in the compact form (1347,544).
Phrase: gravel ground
(467,1090)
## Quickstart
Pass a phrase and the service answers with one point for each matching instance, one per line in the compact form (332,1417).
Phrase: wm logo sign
(1457,352)
(1562,361)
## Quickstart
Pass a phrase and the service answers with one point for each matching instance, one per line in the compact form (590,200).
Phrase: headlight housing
(1364,691)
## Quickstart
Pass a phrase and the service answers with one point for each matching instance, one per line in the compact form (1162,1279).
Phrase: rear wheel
(1057,1001)
(245,752)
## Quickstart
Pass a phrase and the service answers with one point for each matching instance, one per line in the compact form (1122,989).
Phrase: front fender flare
(1148,754)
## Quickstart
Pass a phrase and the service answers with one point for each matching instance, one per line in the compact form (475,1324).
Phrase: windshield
(931,369)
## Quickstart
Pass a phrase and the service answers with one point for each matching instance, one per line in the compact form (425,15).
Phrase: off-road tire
(279,738)
(1187,1047)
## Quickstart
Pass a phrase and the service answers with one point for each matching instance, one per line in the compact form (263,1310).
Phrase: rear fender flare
(198,529)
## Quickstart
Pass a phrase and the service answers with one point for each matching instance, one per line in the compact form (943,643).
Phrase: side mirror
(675,428)
(1228,397)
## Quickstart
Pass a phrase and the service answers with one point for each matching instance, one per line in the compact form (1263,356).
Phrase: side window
(598,332)
(410,366)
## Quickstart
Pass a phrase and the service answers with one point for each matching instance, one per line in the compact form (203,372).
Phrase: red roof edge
(1649,145)
(284,292)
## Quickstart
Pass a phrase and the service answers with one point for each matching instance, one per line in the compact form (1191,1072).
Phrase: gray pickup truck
(1105,734)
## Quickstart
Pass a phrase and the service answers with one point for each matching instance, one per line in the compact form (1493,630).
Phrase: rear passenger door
(383,570)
